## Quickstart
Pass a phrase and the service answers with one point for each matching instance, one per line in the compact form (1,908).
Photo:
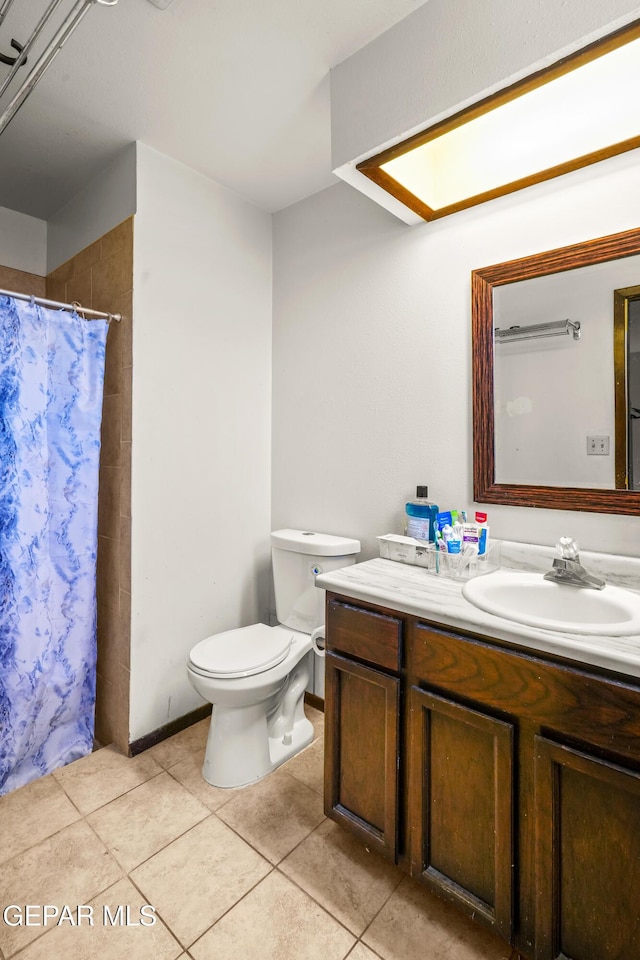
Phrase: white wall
(201,427)
(372,352)
(107,200)
(23,242)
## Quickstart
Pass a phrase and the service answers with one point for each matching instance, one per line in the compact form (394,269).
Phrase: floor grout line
(383,905)
(128,872)
(317,902)
(366,947)
(229,909)
(157,913)
(112,799)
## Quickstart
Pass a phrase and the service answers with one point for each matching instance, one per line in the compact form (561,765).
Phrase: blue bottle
(421,516)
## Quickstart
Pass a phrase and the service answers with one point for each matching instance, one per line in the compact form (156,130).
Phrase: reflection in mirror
(554,395)
(557,418)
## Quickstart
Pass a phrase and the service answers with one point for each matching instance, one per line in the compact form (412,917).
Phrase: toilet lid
(242,652)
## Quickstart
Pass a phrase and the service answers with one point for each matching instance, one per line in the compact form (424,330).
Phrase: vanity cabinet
(506,780)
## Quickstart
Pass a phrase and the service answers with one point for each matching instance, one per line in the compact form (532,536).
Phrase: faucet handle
(567,548)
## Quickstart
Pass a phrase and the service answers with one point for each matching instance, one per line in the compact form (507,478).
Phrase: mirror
(556,406)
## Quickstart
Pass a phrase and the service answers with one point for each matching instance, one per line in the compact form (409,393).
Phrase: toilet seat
(241,653)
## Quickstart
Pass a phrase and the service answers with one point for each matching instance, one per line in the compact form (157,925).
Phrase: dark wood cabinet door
(362,712)
(461,806)
(587,856)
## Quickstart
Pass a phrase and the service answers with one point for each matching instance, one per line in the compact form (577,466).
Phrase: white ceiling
(236,89)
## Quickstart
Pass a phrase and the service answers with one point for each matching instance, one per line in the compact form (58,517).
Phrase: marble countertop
(412,590)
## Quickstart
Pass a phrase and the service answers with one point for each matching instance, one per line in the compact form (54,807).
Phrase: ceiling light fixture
(567,116)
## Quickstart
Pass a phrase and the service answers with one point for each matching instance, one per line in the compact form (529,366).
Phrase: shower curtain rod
(96,314)
(48,55)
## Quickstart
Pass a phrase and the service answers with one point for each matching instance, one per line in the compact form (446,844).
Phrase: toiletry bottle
(483,543)
(421,515)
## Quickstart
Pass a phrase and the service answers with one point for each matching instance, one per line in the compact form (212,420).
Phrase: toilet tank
(299,556)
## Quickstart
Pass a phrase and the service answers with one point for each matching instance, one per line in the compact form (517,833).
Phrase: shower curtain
(51,378)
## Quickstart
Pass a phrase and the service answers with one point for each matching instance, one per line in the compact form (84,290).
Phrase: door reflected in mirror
(556,359)
(627,385)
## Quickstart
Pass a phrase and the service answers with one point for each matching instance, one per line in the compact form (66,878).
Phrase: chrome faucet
(568,569)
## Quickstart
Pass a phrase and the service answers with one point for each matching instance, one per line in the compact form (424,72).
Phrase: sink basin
(530,599)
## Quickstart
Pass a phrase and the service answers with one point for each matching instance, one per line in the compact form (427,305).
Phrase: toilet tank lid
(315,544)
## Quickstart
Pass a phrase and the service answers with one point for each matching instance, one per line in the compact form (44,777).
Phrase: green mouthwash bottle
(421,516)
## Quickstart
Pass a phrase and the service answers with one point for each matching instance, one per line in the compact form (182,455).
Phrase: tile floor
(257,872)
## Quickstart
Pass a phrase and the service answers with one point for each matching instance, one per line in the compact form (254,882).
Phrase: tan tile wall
(17,281)
(101,277)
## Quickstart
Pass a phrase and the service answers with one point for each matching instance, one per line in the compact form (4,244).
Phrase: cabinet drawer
(372,637)
(594,710)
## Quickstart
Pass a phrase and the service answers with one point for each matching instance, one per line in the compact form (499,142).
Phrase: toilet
(256,676)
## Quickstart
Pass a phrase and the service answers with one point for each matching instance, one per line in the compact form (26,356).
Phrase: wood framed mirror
(571,416)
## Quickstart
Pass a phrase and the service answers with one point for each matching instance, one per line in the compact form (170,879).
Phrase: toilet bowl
(258,720)
(255,677)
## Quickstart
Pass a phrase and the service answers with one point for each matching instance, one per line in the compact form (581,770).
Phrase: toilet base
(246,743)
(261,754)
(301,737)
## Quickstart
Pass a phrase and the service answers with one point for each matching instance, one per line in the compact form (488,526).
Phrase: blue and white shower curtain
(51,379)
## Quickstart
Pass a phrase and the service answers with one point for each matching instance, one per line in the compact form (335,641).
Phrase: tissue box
(405,549)
(423,554)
